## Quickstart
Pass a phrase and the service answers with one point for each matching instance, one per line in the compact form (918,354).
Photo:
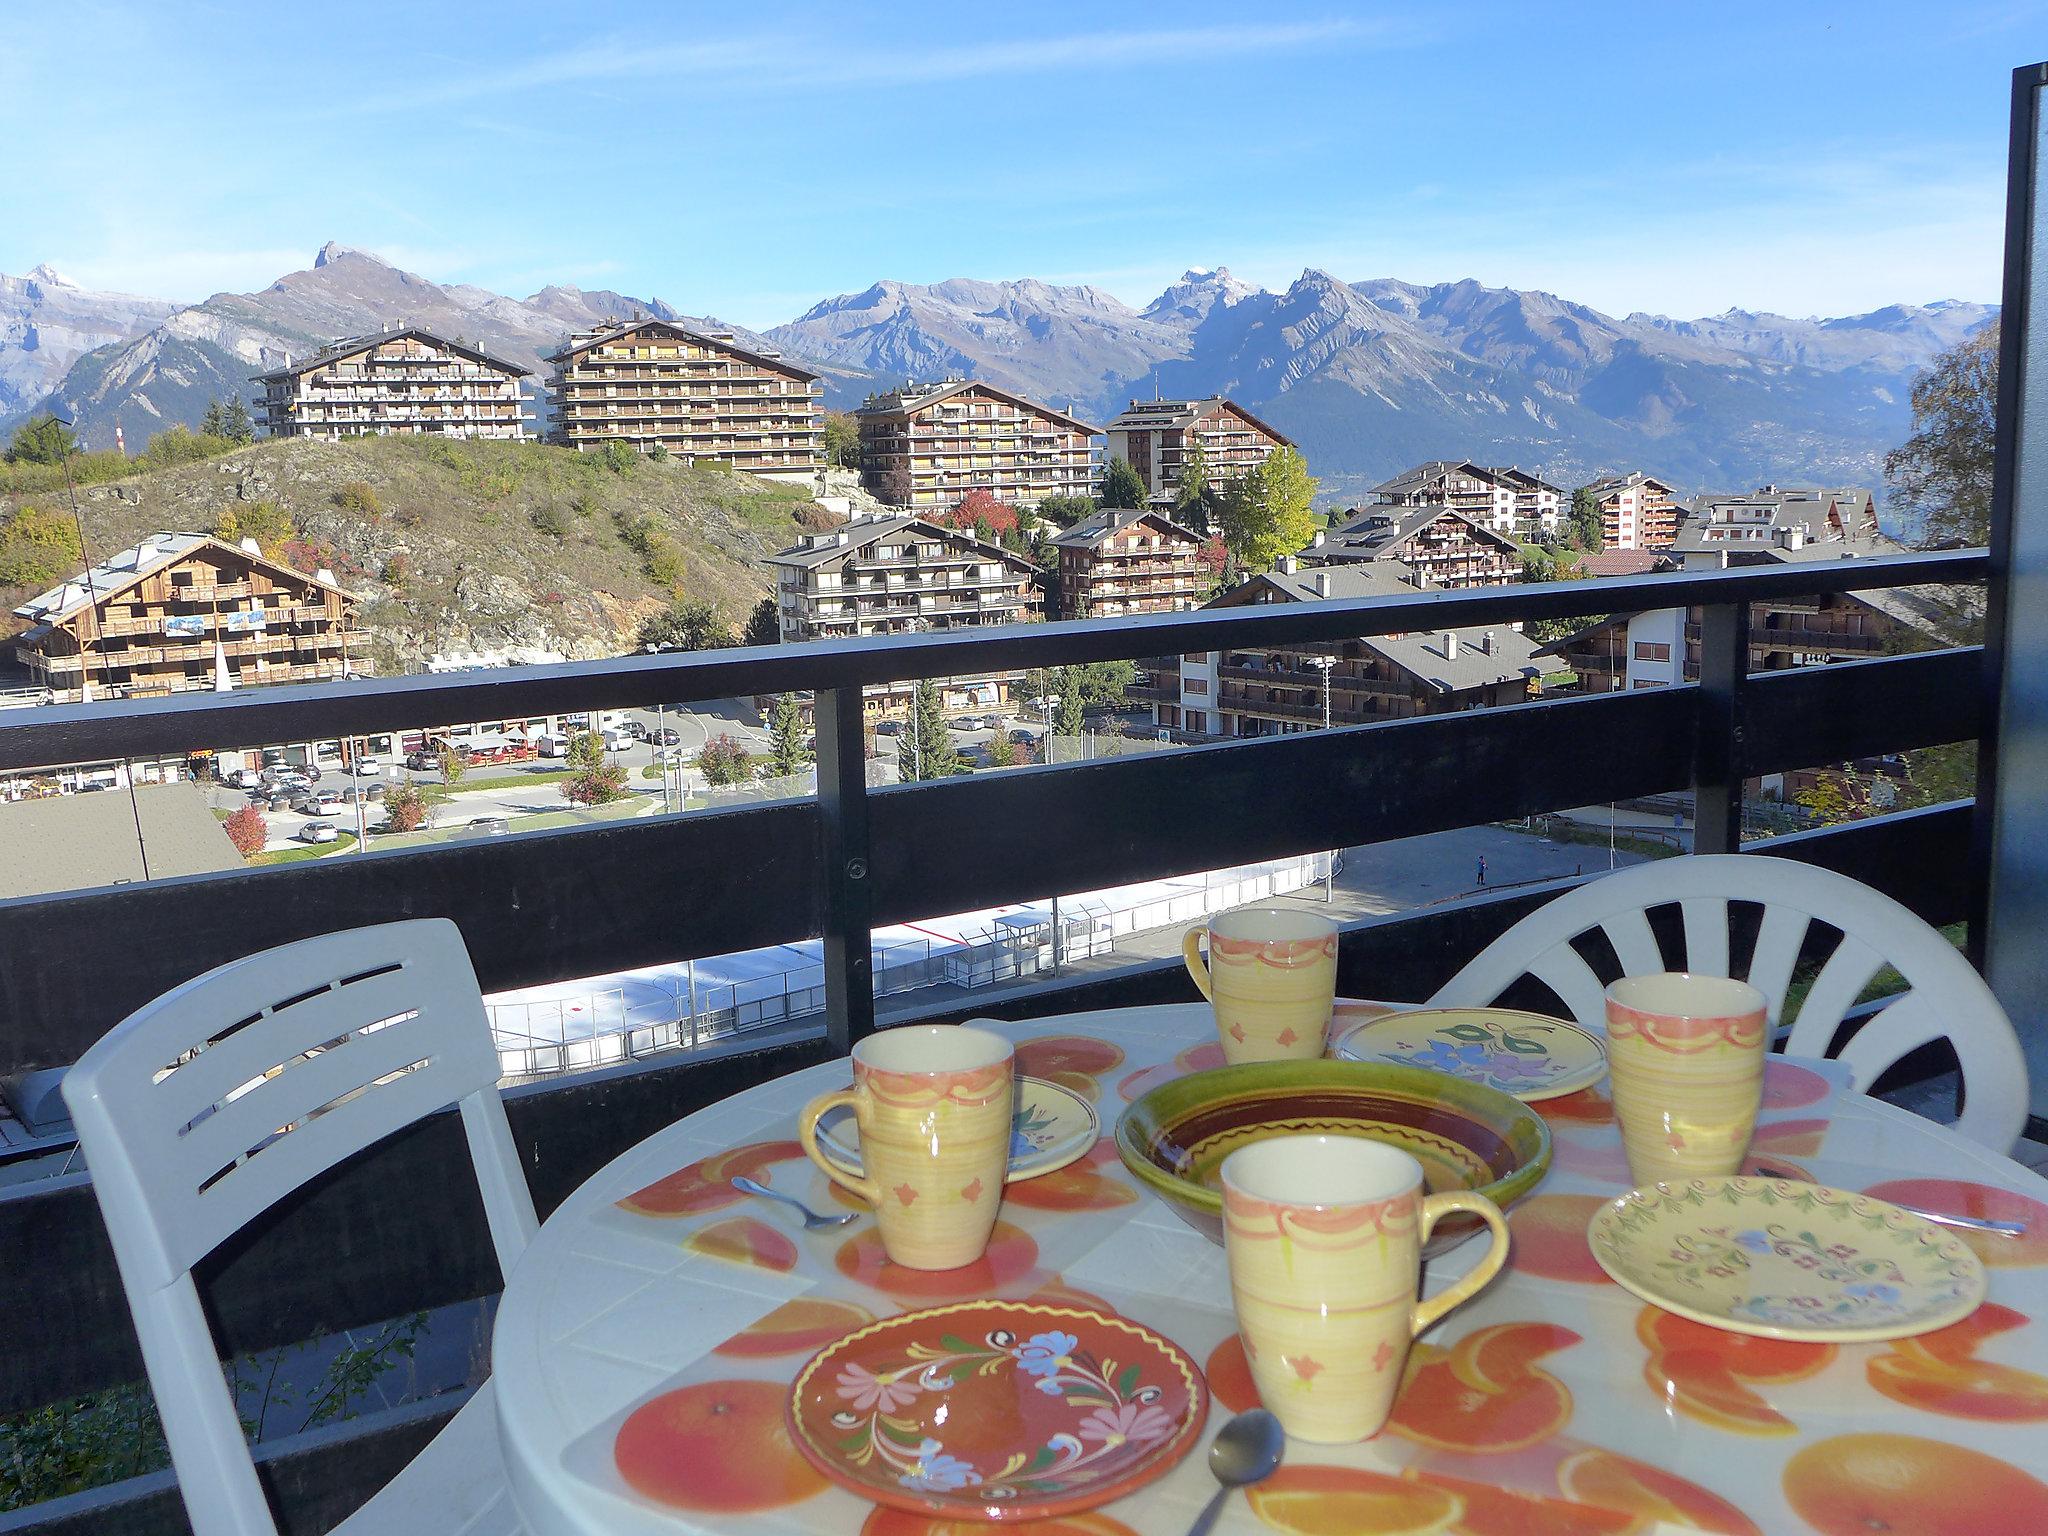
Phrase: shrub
(246,830)
(264,521)
(179,446)
(724,761)
(406,808)
(398,570)
(358,497)
(665,562)
(658,453)
(38,549)
(618,457)
(549,520)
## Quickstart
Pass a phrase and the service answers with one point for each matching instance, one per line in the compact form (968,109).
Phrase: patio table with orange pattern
(661,1302)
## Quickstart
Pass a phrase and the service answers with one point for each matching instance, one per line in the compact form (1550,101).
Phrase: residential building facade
(1128,560)
(1477,492)
(903,574)
(698,394)
(1155,438)
(928,445)
(1280,690)
(1637,511)
(181,613)
(405,381)
(1447,547)
(1539,506)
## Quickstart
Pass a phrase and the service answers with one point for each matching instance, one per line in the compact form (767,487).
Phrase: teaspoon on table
(1247,1450)
(812,1220)
(1939,1218)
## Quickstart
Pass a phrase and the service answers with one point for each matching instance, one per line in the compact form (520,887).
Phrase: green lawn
(298,853)
(568,816)
(465,784)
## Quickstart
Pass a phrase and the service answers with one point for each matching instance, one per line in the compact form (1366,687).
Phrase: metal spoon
(1939,1218)
(812,1220)
(1246,1450)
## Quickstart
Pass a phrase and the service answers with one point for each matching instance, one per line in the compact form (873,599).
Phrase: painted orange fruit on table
(1493,1511)
(745,1240)
(1230,1376)
(718,1445)
(1549,1233)
(1968,1199)
(1787,1085)
(1048,1054)
(1939,1372)
(1852,1485)
(1706,1373)
(901,1522)
(1080,1186)
(1485,1394)
(1589,1106)
(1008,1258)
(1664,1501)
(800,1327)
(1347,1501)
(706,1185)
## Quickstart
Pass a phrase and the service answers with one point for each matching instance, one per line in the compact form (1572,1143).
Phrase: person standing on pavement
(1482,869)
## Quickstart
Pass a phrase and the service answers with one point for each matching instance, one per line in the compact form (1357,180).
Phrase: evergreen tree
(1582,527)
(1069,719)
(1122,486)
(215,422)
(764,624)
(786,754)
(1191,496)
(45,440)
(925,751)
(240,428)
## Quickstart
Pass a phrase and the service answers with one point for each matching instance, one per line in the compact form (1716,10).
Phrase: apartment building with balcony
(1155,437)
(1279,690)
(697,394)
(1476,491)
(902,574)
(1539,506)
(406,381)
(1637,511)
(928,445)
(1128,560)
(181,612)
(1449,548)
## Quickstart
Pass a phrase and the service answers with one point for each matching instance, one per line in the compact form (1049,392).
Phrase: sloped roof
(724,343)
(1622,482)
(1409,481)
(75,842)
(915,397)
(117,573)
(1514,472)
(1622,562)
(1100,524)
(351,346)
(861,532)
(1366,578)
(1808,510)
(1483,657)
(1364,536)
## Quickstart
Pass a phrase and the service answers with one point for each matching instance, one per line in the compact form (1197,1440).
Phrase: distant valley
(1367,376)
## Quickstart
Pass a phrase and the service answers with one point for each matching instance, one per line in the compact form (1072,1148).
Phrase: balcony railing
(545,906)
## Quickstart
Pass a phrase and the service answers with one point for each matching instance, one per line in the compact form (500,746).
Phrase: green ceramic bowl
(1465,1135)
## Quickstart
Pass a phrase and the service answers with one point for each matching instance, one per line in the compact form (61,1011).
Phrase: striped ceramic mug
(1271,977)
(1685,1055)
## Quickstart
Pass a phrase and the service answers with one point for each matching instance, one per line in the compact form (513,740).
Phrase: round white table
(1582,1413)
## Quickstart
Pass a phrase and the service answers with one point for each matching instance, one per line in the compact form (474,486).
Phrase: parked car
(889,728)
(667,736)
(318,832)
(1024,738)
(318,802)
(363,768)
(489,826)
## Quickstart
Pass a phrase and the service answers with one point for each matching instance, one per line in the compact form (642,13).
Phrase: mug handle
(1434,1209)
(1191,952)
(807,1133)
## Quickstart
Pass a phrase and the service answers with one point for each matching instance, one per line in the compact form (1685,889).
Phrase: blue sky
(747,160)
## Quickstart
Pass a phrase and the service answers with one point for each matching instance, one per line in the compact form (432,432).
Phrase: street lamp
(1323,664)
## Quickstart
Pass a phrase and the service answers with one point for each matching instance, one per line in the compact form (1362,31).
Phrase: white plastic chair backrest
(201,1110)
(1945,998)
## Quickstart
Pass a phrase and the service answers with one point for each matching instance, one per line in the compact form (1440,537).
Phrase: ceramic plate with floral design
(997,1410)
(1050,1128)
(1786,1260)
(1529,1055)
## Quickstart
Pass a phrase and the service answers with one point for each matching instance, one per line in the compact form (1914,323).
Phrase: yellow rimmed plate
(1786,1260)
(1529,1055)
(1050,1127)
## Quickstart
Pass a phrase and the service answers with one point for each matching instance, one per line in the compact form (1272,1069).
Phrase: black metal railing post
(849,901)
(1717,755)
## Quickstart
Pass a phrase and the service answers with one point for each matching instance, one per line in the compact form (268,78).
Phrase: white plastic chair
(202,1110)
(1945,998)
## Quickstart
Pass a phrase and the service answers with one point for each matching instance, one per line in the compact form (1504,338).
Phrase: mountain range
(1366,376)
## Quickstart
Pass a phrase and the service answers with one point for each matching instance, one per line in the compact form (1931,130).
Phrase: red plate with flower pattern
(998,1410)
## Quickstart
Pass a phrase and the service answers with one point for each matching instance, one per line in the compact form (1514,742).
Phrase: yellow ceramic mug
(1272,979)
(933,1105)
(1324,1236)
(1685,1059)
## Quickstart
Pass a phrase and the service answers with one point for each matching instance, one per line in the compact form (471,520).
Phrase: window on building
(1195,685)
(1649,650)
(1198,720)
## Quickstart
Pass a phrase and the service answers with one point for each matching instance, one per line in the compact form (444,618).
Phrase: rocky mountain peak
(42,272)
(334,251)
